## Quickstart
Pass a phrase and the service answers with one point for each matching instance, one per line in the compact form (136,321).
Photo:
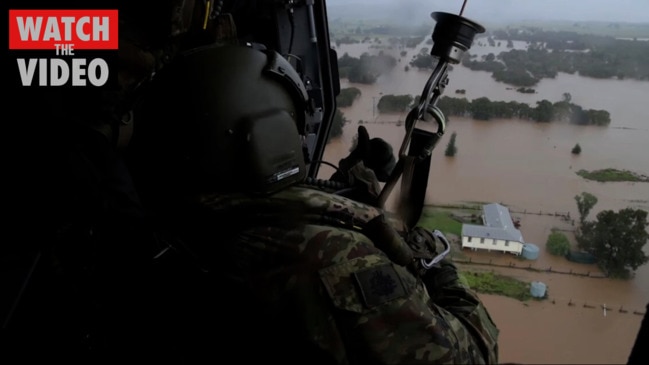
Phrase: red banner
(75,28)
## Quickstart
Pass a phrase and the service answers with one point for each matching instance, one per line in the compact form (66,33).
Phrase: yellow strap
(208,6)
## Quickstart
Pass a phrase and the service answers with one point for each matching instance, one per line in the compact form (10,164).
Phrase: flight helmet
(222,118)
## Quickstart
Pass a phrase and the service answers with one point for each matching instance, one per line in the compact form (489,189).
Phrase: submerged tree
(451,150)
(347,96)
(394,103)
(567,97)
(617,239)
(558,244)
(576,150)
(337,125)
(585,202)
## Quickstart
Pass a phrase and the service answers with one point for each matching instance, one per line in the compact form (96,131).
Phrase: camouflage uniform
(302,260)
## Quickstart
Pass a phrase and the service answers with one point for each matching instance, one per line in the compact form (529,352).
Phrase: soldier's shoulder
(337,206)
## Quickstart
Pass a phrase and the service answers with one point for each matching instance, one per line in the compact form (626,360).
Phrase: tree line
(394,103)
(366,68)
(545,111)
(485,109)
(614,240)
(549,53)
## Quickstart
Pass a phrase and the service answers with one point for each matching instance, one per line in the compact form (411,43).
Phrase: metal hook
(428,264)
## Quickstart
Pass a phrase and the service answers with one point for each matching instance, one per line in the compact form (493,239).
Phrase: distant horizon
(495,11)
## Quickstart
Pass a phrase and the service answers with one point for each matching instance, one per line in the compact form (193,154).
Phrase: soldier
(299,273)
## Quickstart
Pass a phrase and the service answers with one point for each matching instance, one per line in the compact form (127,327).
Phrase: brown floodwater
(546,333)
(528,167)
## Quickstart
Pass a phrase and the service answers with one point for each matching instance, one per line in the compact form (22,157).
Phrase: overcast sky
(573,10)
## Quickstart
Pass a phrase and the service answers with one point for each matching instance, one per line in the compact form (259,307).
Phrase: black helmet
(221,119)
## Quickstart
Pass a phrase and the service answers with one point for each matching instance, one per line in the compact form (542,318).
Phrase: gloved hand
(376,155)
(440,276)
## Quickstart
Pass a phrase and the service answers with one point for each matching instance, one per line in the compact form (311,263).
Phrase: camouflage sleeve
(345,295)
(447,291)
(384,314)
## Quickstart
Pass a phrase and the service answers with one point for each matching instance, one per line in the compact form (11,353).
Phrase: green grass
(432,219)
(490,283)
(608,175)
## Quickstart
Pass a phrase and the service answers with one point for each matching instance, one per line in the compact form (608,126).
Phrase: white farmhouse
(498,232)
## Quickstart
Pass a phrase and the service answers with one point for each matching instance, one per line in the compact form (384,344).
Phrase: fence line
(585,304)
(541,212)
(529,267)
(563,215)
(554,300)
